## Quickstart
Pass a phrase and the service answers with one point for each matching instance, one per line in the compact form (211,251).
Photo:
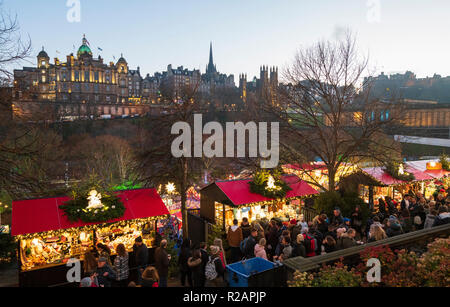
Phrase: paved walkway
(9,276)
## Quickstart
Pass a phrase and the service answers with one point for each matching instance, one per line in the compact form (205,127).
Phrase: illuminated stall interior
(223,201)
(317,172)
(47,238)
(374,183)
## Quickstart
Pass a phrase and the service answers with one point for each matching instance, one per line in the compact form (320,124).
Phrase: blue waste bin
(255,272)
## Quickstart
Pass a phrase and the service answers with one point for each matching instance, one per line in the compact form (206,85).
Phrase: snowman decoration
(94,200)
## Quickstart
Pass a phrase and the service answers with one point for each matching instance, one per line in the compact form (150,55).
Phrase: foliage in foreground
(399,268)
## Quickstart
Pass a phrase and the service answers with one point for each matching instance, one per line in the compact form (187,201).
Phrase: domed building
(81,80)
(84,48)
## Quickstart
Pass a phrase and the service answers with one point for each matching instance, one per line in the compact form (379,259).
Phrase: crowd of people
(100,271)
(275,240)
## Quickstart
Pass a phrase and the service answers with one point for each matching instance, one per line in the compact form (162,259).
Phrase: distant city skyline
(398,35)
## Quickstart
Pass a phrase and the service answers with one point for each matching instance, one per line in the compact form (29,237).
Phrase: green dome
(84,49)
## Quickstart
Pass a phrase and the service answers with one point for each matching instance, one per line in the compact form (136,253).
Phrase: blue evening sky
(410,34)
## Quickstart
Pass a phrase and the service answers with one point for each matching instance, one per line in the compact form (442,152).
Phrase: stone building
(265,87)
(82,79)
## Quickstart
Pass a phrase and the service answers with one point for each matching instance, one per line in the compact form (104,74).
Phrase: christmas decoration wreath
(269,185)
(91,206)
(394,170)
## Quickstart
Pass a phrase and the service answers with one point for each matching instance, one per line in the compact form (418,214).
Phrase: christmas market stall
(394,181)
(317,172)
(435,169)
(50,231)
(264,196)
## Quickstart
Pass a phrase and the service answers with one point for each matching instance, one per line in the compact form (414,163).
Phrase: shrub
(8,248)
(327,201)
(301,279)
(433,268)
(338,275)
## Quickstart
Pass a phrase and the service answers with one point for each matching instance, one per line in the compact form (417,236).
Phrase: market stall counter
(47,239)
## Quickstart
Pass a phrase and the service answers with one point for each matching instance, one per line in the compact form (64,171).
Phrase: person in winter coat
(220,271)
(260,249)
(429,220)
(218,242)
(298,247)
(246,228)
(104,251)
(393,227)
(346,240)
(89,264)
(272,238)
(121,266)
(141,256)
(377,233)
(235,237)
(443,217)
(195,265)
(249,246)
(185,254)
(105,274)
(150,278)
(322,224)
(162,260)
(286,249)
(205,258)
(328,245)
(337,218)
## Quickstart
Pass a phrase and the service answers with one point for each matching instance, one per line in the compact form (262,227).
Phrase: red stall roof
(308,166)
(380,175)
(238,191)
(438,173)
(40,215)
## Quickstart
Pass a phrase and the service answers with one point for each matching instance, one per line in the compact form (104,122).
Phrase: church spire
(211,67)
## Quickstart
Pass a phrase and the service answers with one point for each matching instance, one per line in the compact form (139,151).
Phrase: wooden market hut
(236,193)
(43,218)
(373,177)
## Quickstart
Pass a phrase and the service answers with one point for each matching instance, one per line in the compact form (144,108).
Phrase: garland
(259,185)
(445,163)
(77,208)
(392,168)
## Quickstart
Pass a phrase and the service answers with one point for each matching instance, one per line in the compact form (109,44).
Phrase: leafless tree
(326,111)
(108,157)
(18,141)
(157,164)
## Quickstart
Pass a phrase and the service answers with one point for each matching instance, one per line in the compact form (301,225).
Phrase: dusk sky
(408,35)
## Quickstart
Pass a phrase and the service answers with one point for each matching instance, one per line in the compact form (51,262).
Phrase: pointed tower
(211,69)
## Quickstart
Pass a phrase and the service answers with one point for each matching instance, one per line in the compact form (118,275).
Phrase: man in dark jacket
(405,202)
(205,259)
(105,274)
(141,254)
(337,218)
(162,259)
(249,245)
(246,228)
(273,238)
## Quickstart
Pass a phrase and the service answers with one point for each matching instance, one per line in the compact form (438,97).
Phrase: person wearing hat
(89,282)
(105,274)
(215,259)
(393,227)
